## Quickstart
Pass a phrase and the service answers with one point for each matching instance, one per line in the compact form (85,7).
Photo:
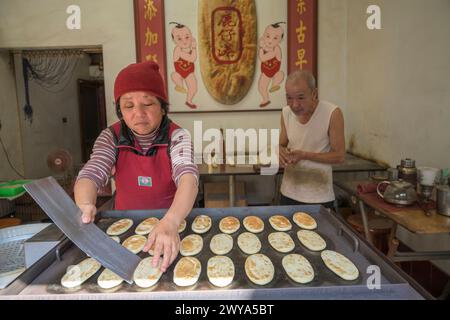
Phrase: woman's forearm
(85,192)
(184,199)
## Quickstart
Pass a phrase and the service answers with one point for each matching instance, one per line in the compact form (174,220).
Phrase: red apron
(143,181)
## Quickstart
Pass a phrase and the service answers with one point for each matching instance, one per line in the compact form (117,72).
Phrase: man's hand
(88,212)
(166,241)
(284,156)
(289,158)
(296,156)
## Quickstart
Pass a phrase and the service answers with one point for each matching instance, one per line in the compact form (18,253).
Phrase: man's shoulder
(286,111)
(328,105)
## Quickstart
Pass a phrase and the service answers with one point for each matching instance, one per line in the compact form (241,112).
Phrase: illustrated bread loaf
(227,47)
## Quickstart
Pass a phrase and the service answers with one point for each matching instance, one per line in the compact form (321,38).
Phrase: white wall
(398,92)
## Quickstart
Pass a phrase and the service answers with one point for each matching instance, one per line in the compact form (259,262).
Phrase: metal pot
(407,171)
(443,200)
(398,192)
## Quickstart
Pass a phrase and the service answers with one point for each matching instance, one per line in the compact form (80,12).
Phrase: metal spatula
(88,237)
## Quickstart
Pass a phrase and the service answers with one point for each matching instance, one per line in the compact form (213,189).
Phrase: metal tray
(12,255)
(326,285)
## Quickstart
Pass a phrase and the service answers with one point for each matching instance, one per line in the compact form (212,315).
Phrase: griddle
(395,284)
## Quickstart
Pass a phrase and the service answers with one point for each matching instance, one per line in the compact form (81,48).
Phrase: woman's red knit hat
(142,76)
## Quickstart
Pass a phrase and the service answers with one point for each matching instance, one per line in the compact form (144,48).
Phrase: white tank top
(308,181)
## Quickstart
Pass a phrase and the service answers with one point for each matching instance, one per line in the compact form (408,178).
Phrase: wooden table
(351,164)
(413,220)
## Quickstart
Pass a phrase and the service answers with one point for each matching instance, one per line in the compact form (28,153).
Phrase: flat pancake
(108,279)
(119,227)
(76,275)
(191,245)
(304,221)
(220,271)
(182,226)
(249,243)
(187,271)
(221,244)
(146,226)
(259,269)
(280,223)
(281,241)
(311,240)
(298,268)
(151,251)
(116,239)
(201,224)
(253,224)
(145,274)
(340,265)
(229,225)
(135,243)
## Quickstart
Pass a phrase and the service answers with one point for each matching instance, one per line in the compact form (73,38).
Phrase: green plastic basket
(12,188)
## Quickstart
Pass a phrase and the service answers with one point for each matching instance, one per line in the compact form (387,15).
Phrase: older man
(311,140)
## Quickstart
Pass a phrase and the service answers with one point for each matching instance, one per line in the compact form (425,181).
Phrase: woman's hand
(88,212)
(166,241)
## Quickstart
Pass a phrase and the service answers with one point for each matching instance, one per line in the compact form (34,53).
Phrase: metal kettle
(398,192)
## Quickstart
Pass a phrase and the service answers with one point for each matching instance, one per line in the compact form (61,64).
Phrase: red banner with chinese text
(150,33)
(302,40)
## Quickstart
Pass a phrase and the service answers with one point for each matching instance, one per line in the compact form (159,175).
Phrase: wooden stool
(379,227)
(9,222)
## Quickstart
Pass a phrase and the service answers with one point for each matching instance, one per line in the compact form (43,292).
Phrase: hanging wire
(52,69)
(9,161)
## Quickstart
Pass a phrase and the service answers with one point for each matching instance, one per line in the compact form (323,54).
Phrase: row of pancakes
(228,225)
(258,267)
(220,271)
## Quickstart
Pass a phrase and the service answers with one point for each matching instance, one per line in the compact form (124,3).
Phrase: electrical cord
(9,161)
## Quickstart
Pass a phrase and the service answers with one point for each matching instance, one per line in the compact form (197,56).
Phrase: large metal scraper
(88,237)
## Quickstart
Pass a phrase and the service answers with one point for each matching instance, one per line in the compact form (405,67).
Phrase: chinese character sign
(226,24)
(302,21)
(150,36)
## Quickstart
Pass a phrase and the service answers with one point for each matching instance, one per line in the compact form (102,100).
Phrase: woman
(149,155)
